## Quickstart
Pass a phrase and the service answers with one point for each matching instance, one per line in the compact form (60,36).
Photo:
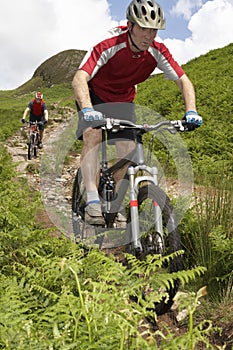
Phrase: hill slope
(60,68)
(210,146)
(212,76)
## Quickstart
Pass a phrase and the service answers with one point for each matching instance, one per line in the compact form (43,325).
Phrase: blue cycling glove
(90,115)
(193,117)
(193,120)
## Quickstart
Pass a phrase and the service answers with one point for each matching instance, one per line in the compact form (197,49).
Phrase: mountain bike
(152,226)
(33,138)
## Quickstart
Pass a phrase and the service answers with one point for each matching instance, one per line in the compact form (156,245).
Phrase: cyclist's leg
(41,129)
(89,165)
(89,157)
(89,168)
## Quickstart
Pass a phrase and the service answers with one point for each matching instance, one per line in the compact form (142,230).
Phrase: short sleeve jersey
(37,109)
(115,70)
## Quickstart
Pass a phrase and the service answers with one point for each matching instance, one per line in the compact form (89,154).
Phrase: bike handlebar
(35,123)
(118,124)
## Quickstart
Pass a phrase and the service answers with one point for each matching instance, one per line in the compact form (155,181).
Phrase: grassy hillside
(212,75)
(210,146)
(53,77)
(13,103)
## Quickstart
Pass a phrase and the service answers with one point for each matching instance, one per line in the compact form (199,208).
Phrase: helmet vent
(152,14)
(143,11)
(136,11)
(150,3)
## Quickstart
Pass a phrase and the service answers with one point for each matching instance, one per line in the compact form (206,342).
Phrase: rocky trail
(55,188)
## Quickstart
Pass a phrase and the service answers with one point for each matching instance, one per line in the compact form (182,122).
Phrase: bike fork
(158,226)
(135,233)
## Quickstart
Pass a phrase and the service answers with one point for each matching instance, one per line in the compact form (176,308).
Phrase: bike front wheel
(159,235)
(35,146)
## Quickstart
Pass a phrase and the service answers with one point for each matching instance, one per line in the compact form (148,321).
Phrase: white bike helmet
(39,95)
(146,14)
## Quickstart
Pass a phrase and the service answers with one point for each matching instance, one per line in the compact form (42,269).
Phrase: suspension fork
(134,189)
(135,233)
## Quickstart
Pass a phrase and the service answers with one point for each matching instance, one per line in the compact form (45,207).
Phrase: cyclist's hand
(193,120)
(23,121)
(90,115)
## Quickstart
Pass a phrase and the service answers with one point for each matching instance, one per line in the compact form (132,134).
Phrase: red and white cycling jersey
(115,70)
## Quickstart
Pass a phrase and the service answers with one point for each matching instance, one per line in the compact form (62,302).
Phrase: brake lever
(177,125)
(113,124)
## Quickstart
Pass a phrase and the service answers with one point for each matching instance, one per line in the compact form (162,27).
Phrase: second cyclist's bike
(33,139)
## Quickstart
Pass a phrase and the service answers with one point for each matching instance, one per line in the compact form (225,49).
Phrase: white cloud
(211,28)
(34,30)
(185,8)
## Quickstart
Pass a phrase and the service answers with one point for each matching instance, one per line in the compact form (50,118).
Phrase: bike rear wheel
(30,147)
(153,242)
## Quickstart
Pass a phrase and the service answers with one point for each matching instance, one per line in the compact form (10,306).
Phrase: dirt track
(30,169)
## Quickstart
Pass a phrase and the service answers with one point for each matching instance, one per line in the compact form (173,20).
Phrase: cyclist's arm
(81,90)
(26,112)
(46,115)
(188,92)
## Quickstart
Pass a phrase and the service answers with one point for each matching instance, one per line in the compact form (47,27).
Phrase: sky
(32,31)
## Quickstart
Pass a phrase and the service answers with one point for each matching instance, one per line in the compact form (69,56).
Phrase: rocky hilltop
(59,68)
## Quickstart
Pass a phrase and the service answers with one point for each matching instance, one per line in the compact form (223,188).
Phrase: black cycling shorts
(117,110)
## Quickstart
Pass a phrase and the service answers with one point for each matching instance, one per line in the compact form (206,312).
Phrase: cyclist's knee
(92,137)
(124,147)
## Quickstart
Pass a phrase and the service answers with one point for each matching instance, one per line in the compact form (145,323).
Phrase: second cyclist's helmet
(39,95)
(146,13)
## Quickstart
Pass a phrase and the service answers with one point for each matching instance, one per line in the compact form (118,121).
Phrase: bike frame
(133,180)
(33,130)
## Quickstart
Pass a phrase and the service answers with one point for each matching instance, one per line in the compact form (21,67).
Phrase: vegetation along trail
(52,294)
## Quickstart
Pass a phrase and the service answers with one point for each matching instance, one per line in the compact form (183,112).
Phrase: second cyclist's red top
(115,70)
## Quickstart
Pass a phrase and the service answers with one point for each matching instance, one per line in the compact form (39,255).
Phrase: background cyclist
(109,74)
(38,112)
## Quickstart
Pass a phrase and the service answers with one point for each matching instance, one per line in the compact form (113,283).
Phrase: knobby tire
(30,147)
(78,205)
(147,195)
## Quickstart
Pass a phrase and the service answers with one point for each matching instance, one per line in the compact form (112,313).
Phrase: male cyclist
(38,112)
(109,74)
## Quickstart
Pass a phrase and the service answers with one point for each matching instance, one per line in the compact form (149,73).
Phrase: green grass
(207,233)
(210,146)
